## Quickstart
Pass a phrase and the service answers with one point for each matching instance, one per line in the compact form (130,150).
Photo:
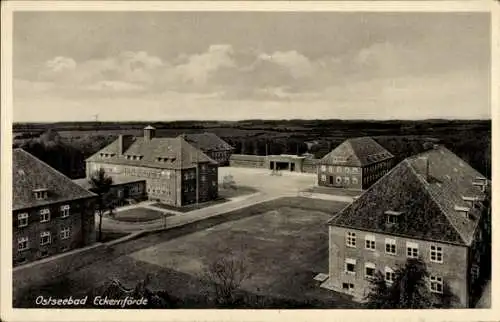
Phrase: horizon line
(256,119)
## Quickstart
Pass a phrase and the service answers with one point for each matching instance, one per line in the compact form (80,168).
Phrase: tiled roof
(176,153)
(30,174)
(359,152)
(207,141)
(117,180)
(427,202)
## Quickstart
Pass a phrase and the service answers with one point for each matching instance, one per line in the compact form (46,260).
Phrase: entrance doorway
(292,166)
(282,165)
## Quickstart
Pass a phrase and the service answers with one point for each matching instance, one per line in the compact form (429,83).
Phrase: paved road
(270,187)
(185,218)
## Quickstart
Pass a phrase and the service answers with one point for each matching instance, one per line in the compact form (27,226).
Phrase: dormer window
(41,194)
(392,217)
(465,211)
(480,182)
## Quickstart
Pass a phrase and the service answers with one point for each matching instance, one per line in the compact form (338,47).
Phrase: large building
(212,145)
(433,206)
(355,164)
(51,214)
(176,173)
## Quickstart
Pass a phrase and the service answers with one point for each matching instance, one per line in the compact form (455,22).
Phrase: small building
(212,145)
(176,173)
(433,206)
(287,162)
(355,164)
(124,190)
(51,213)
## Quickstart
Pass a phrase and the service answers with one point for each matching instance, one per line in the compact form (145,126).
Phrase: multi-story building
(355,164)
(51,214)
(212,145)
(433,206)
(176,173)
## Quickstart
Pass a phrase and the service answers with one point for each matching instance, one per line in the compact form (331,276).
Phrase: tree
(409,290)
(226,274)
(101,185)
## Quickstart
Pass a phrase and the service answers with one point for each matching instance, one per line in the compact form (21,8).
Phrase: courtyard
(283,244)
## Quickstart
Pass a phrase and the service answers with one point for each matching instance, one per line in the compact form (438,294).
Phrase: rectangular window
(22,243)
(203,178)
(436,284)
(339,169)
(369,270)
(347,169)
(350,266)
(323,168)
(436,254)
(411,250)
(64,211)
(22,220)
(214,183)
(346,180)
(65,233)
(45,238)
(354,180)
(330,169)
(347,286)
(350,239)
(323,177)
(370,242)
(390,246)
(390,275)
(44,215)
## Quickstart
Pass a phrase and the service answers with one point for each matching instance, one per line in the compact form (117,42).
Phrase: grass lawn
(111,235)
(334,191)
(284,244)
(283,249)
(139,215)
(192,207)
(236,192)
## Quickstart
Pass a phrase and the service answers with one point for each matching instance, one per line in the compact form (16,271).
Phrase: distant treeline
(65,146)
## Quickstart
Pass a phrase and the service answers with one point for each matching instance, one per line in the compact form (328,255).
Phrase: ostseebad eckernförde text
(103,301)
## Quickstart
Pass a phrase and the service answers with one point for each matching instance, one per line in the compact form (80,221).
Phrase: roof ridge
(422,181)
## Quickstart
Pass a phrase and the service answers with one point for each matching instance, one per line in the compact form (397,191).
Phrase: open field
(469,139)
(283,242)
(139,215)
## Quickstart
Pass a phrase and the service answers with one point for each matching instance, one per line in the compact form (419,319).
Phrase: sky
(162,66)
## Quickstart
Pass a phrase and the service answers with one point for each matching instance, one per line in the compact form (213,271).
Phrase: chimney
(149,133)
(124,142)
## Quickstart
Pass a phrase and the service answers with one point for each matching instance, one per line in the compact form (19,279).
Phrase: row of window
(45,238)
(44,215)
(191,188)
(435,285)
(412,248)
(338,179)
(376,167)
(340,169)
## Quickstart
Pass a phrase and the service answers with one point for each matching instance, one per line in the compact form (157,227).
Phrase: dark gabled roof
(176,153)
(30,174)
(358,152)
(427,202)
(207,141)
